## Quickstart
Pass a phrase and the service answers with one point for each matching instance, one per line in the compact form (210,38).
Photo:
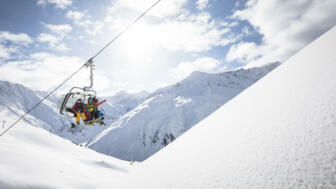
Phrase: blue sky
(44,41)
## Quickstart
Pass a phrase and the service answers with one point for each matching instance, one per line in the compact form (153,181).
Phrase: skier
(90,105)
(79,108)
(90,109)
(96,114)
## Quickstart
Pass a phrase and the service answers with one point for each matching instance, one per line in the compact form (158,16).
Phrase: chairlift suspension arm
(90,64)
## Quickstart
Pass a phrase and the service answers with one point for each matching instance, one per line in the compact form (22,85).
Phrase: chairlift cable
(84,65)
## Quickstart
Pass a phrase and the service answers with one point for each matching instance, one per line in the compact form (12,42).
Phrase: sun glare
(140,44)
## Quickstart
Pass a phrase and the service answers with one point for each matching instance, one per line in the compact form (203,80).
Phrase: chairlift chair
(78,93)
(71,97)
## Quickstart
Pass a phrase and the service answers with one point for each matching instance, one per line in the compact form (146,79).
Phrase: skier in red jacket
(80,109)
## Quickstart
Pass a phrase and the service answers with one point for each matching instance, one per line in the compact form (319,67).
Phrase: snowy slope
(19,99)
(30,157)
(123,102)
(279,133)
(170,111)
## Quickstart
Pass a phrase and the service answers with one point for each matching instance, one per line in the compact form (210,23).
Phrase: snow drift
(279,133)
(169,112)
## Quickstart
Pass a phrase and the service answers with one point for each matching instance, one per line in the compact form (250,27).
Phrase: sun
(140,43)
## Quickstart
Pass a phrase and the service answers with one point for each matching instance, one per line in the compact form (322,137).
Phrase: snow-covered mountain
(279,133)
(19,99)
(122,102)
(169,112)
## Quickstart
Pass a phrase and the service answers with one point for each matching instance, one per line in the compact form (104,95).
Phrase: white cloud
(75,15)
(82,19)
(62,4)
(193,33)
(40,56)
(44,71)
(61,30)
(197,33)
(233,24)
(61,47)
(246,31)
(48,38)
(4,52)
(162,9)
(79,18)
(159,84)
(11,44)
(244,52)
(202,4)
(205,64)
(183,31)
(53,41)
(95,28)
(119,85)
(20,39)
(286,26)
(9,51)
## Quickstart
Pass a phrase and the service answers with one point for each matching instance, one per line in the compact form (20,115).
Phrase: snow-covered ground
(169,112)
(31,157)
(279,133)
